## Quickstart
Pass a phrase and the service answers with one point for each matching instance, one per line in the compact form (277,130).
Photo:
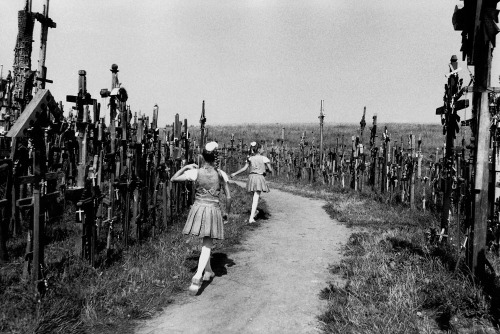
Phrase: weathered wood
(413,171)
(481,170)
(46,23)
(41,104)
(321,120)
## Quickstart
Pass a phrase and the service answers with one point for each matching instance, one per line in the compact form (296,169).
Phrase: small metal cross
(93,177)
(80,214)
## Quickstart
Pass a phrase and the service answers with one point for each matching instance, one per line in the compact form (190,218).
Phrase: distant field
(431,134)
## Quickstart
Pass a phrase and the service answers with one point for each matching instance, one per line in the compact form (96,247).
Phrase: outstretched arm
(228,198)
(179,175)
(244,168)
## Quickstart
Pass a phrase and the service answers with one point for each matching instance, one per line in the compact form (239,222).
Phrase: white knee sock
(255,202)
(208,267)
(202,263)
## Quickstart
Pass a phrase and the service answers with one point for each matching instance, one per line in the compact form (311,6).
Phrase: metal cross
(80,214)
(93,177)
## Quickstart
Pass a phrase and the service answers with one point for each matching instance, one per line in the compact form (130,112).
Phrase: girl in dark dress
(205,217)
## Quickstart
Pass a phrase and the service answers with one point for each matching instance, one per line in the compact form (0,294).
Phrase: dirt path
(274,283)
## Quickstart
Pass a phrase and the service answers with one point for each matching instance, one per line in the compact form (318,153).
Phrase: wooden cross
(465,243)
(46,23)
(83,98)
(441,235)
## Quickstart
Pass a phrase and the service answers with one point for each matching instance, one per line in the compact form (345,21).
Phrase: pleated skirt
(257,182)
(205,220)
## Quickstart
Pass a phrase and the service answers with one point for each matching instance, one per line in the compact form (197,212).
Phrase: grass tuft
(128,285)
(396,281)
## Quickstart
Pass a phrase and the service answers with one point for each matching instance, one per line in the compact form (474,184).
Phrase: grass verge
(395,280)
(135,285)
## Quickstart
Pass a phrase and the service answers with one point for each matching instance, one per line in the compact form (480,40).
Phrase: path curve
(274,283)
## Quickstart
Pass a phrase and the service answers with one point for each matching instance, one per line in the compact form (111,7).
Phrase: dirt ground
(271,284)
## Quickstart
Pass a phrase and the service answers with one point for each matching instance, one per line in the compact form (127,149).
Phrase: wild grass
(134,284)
(396,284)
(334,135)
(396,281)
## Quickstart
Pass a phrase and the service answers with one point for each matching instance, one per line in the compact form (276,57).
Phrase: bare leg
(255,201)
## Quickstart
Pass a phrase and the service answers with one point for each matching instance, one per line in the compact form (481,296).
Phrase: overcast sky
(253,61)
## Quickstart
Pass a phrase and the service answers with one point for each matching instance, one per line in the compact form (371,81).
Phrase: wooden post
(412,181)
(38,218)
(385,150)
(82,100)
(203,120)
(186,141)
(321,120)
(482,56)
(354,164)
(154,125)
(373,150)
(164,190)
(6,171)
(496,164)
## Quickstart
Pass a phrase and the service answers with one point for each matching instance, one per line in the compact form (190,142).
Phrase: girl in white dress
(257,163)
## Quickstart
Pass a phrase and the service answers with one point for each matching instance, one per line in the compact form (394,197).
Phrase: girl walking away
(256,179)
(205,217)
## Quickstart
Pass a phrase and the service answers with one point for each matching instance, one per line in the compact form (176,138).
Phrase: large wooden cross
(82,99)
(46,23)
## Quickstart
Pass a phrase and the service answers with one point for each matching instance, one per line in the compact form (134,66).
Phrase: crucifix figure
(44,186)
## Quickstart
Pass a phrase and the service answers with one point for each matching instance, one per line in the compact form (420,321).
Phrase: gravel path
(274,283)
